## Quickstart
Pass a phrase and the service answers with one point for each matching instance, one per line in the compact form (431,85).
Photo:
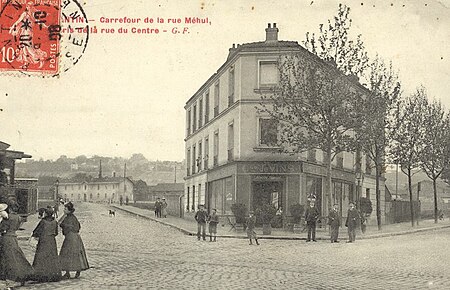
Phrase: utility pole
(175,179)
(418,202)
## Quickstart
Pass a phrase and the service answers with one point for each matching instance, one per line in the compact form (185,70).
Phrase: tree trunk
(328,186)
(377,194)
(410,197)
(435,201)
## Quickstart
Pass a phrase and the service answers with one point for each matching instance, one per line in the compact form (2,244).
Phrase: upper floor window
(311,155)
(216,99)
(340,160)
(194,119)
(268,73)
(188,161)
(194,160)
(231,87)
(368,165)
(200,113)
(207,107)
(230,142)
(206,153)
(199,158)
(188,122)
(268,132)
(216,149)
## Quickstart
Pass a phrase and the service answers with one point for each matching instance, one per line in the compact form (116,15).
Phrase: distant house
(105,189)
(173,194)
(167,189)
(424,190)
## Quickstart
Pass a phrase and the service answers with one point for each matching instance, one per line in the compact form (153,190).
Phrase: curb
(293,238)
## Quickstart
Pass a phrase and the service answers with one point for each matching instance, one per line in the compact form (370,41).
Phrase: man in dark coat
(251,222)
(311,216)
(352,221)
(201,216)
(334,221)
(158,205)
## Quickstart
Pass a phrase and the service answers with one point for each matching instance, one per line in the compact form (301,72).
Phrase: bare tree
(314,105)
(376,118)
(435,157)
(407,137)
(333,43)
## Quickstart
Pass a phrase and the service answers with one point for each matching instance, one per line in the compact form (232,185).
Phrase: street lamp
(359,177)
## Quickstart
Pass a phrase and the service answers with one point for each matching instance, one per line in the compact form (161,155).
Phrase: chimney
(272,33)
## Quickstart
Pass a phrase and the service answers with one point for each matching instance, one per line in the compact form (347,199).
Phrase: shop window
(188,199)
(268,132)
(193,198)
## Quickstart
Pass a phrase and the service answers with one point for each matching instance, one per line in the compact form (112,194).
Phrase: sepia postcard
(236,144)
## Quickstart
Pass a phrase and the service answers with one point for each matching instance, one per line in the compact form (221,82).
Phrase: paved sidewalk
(189,227)
(26,229)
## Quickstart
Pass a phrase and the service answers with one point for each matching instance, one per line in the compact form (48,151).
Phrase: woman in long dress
(14,265)
(72,255)
(46,261)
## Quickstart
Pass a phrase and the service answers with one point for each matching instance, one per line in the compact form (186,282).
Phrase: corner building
(229,156)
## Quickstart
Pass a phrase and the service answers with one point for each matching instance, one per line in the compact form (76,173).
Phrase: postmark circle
(42,37)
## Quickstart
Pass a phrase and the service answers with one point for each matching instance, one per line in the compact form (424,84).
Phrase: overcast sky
(126,94)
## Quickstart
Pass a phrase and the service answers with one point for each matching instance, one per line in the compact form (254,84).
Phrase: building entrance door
(267,192)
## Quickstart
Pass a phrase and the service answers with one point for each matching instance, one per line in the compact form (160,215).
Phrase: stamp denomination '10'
(30,34)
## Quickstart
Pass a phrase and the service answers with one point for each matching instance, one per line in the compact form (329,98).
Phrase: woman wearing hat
(13,265)
(46,261)
(72,255)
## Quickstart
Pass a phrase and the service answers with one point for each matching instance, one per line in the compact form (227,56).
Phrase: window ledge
(266,148)
(262,90)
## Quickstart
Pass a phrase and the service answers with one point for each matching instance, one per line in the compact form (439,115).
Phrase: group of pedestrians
(354,219)
(47,265)
(202,217)
(160,208)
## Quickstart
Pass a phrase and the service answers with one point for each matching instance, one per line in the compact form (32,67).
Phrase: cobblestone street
(127,252)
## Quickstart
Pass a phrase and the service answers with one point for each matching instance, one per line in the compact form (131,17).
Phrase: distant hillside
(137,167)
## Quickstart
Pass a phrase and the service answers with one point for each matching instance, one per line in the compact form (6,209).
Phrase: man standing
(352,222)
(334,220)
(201,216)
(213,221)
(311,216)
(158,205)
(251,221)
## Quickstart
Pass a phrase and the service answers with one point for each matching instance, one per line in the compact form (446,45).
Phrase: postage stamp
(36,39)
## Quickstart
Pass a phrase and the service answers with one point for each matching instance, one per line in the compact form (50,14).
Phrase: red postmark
(30,35)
